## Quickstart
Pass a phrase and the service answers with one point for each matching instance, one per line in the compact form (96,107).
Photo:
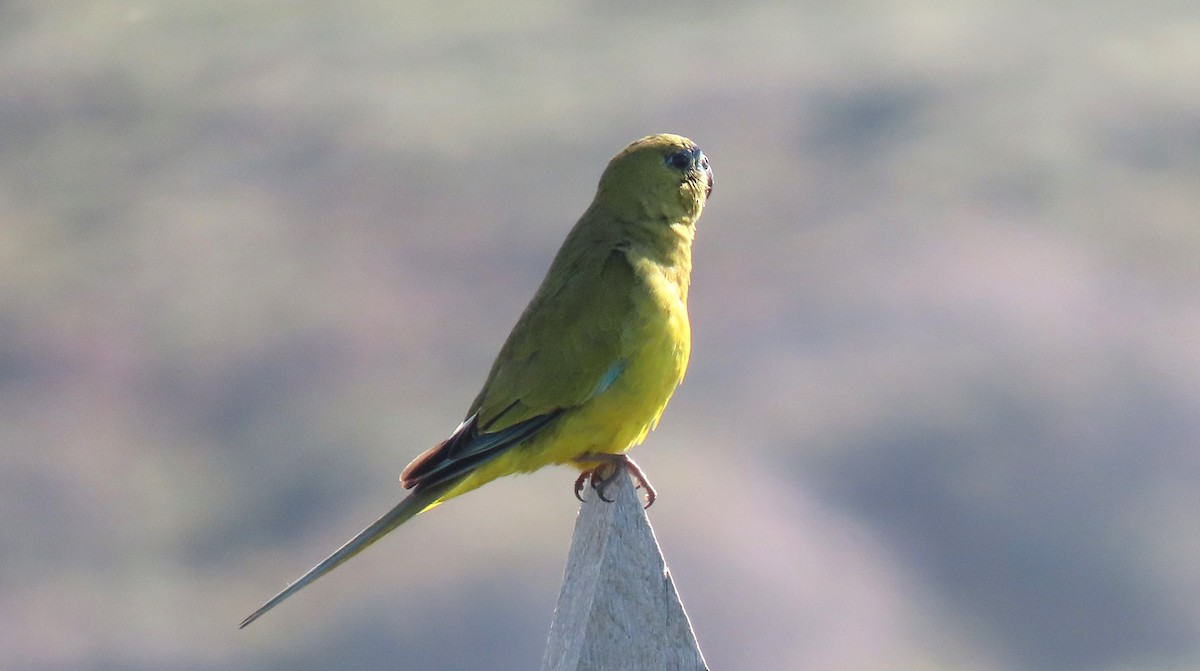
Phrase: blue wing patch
(610,376)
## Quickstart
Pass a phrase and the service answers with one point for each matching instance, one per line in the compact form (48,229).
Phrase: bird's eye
(680,160)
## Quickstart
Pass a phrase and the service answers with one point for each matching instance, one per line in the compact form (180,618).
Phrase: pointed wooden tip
(618,608)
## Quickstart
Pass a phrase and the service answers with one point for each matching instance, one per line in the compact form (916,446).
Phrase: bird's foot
(606,472)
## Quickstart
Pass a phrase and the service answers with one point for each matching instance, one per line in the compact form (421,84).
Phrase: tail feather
(419,500)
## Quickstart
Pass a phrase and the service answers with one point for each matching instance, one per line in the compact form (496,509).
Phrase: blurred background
(945,389)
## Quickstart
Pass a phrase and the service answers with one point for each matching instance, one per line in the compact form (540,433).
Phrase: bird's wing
(568,343)
(567,347)
(466,448)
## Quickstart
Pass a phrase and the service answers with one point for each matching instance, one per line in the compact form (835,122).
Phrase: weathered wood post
(618,609)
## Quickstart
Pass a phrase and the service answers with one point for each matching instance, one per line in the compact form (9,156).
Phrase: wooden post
(618,609)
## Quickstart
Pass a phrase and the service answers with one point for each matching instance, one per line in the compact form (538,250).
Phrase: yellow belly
(654,351)
(617,419)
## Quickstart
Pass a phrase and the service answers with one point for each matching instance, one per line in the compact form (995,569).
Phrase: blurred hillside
(945,393)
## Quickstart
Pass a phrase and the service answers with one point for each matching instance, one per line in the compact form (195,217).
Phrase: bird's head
(658,177)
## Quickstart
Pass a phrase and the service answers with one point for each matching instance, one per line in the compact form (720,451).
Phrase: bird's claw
(602,476)
(579,484)
(601,483)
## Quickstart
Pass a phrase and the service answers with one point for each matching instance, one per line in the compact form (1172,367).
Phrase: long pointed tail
(420,499)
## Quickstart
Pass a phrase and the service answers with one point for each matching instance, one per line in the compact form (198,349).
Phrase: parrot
(591,363)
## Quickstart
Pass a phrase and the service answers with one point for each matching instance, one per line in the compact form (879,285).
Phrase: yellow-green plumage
(596,355)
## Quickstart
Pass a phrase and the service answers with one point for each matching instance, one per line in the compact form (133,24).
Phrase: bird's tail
(419,500)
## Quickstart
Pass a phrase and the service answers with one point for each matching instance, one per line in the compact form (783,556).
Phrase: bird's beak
(707,173)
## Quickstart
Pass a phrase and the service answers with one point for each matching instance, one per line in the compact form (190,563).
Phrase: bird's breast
(655,343)
(658,344)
